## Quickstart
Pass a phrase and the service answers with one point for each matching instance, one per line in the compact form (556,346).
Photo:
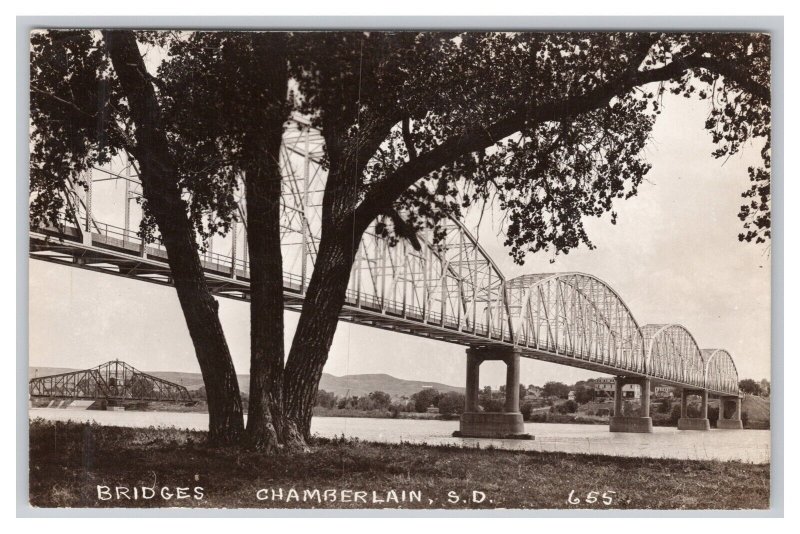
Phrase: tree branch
(384,193)
(408,140)
(742,79)
(60,100)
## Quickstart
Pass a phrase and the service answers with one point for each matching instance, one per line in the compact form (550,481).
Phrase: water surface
(746,445)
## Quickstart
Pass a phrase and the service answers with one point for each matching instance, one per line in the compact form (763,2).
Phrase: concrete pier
(505,424)
(642,423)
(694,423)
(734,422)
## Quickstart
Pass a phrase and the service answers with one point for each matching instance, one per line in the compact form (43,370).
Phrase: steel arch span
(720,372)
(673,354)
(577,316)
(447,289)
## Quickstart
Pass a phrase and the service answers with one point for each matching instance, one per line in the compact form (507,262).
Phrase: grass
(68,461)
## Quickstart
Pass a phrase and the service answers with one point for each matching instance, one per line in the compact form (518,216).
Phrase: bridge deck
(112,255)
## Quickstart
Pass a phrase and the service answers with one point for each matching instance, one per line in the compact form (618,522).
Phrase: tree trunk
(268,76)
(163,195)
(341,234)
(316,328)
(318,321)
(264,414)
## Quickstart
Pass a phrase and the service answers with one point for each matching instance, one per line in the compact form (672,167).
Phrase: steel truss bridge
(451,291)
(114,380)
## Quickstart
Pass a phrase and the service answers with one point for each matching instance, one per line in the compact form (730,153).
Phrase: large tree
(551,127)
(229,99)
(92,98)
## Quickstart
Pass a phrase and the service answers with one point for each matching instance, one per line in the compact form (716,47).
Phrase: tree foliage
(555,389)
(326,399)
(77,114)
(549,127)
(80,118)
(451,403)
(425,399)
(750,386)
(220,104)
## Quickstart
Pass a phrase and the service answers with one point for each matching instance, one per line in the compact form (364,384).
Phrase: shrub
(567,407)
(492,405)
(526,410)
(675,414)
(382,400)
(451,403)
(425,398)
(326,399)
(538,417)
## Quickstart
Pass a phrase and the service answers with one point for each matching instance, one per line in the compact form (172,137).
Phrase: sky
(673,257)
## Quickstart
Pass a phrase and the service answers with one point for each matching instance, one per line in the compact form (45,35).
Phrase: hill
(363,384)
(340,385)
(757,409)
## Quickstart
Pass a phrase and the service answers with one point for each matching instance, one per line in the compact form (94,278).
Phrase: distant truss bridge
(113,380)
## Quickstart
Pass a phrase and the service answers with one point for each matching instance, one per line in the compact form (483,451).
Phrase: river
(745,445)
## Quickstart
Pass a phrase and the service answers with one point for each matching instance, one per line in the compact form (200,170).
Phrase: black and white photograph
(412,269)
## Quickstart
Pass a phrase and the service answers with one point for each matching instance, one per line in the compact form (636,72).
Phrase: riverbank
(68,461)
(755,412)
(319,411)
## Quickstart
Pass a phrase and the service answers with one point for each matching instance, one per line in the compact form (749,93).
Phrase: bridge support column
(734,422)
(644,385)
(694,423)
(512,383)
(473,378)
(618,401)
(642,423)
(684,411)
(505,424)
(704,404)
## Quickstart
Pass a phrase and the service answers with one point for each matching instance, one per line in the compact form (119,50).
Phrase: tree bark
(267,428)
(326,291)
(263,193)
(163,195)
(317,325)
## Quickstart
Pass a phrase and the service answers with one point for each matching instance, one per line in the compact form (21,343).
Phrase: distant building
(432,409)
(664,391)
(571,395)
(607,386)
(533,392)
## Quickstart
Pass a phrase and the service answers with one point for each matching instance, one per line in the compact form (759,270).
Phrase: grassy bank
(69,460)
